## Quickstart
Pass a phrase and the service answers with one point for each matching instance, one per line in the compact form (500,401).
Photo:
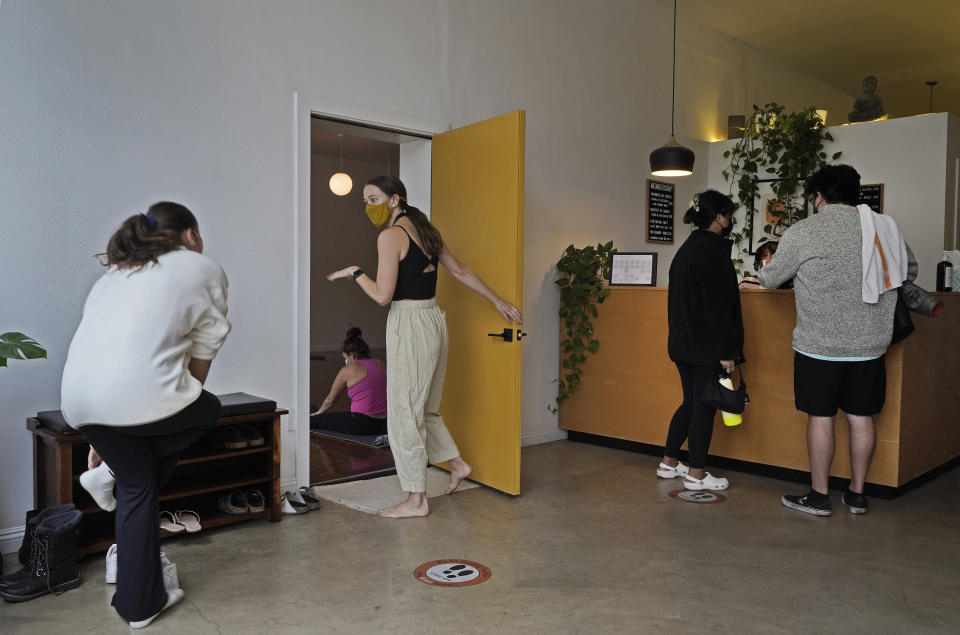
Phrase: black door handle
(521,334)
(507,335)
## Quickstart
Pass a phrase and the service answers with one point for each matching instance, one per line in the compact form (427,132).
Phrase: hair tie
(151,221)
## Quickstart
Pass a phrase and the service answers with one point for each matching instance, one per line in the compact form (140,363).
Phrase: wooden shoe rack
(203,474)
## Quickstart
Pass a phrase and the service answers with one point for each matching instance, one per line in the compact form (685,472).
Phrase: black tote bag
(902,322)
(722,398)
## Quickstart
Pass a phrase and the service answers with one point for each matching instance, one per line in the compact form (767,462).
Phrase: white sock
(99,483)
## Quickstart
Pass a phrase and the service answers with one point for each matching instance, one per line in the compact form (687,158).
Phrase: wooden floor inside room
(334,460)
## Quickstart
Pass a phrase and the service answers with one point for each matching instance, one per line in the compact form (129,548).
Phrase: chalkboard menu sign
(872,195)
(659,212)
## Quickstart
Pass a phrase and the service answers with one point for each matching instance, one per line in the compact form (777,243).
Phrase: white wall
(594,79)
(110,105)
(909,156)
(415,172)
(719,76)
(952,193)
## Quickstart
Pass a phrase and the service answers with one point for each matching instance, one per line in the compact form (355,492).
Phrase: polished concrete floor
(594,545)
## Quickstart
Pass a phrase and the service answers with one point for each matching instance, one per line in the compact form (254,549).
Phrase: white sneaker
(173,597)
(709,481)
(99,482)
(665,471)
(112,564)
(170,580)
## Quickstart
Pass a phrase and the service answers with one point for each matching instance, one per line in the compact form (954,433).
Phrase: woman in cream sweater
(133,383)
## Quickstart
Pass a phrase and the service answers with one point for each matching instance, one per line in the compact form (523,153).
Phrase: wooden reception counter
(630,388)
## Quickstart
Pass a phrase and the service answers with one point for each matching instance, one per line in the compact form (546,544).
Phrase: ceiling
(903,44)
(359,143)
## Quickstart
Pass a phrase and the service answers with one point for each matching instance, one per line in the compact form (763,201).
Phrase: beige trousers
(416,364)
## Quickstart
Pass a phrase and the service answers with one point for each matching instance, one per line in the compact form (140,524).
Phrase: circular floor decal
(701,497)
(452,573)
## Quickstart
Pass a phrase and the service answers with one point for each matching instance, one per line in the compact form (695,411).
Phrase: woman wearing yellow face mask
(409,250)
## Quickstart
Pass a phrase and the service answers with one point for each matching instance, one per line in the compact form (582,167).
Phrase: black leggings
(693,420)
(348,423)
(143,458)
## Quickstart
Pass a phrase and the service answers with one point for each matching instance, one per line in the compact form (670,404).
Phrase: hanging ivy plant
(582,282)
(778,145)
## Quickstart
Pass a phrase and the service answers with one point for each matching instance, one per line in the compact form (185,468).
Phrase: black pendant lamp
(672,159)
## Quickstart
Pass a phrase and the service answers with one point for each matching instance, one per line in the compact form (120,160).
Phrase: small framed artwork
(636,269)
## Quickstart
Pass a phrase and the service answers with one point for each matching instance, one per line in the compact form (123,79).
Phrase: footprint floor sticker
(699,497)
(454,572)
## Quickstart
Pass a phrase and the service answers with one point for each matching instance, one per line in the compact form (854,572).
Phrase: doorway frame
(304,106)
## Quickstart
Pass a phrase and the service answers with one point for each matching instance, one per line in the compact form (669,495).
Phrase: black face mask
(726,231)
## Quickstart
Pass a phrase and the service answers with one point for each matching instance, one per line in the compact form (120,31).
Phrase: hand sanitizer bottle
(945,274)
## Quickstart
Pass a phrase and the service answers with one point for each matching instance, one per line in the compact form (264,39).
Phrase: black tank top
(412,282)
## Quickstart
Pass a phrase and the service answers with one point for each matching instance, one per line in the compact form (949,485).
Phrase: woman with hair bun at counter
(705,333)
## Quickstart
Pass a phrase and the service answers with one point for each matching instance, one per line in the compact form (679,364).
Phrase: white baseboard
(542,436)
(289,483)
(11,539)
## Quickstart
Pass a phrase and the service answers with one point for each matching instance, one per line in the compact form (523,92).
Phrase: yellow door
(477,204)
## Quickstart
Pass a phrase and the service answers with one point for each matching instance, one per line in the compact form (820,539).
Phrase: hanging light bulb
(341,183)
(672,159)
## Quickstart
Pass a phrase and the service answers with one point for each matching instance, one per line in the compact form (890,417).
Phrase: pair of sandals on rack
(182,520)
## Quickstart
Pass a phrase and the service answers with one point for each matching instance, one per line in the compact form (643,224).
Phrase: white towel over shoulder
(894,249)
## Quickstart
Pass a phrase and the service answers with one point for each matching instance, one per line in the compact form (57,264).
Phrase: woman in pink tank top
(365,380)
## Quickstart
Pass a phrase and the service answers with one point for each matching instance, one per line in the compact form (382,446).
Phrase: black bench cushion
(53,420)
(234,403)
(240,403)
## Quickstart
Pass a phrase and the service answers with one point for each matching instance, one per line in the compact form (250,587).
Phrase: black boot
(28,526)
(24,553)
(34,518)
(53,559)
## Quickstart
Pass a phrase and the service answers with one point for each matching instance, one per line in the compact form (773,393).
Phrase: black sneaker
(856,503)
(812,505)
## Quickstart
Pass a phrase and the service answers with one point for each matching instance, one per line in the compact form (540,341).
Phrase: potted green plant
(583,275)
(19,346)
(785,148)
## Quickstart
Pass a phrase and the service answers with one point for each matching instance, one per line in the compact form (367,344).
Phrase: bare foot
(414,507)
(459,470)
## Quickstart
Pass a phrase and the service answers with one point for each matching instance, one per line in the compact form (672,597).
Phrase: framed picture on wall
(636,269)
(872,195)
(770,216)
(660,212)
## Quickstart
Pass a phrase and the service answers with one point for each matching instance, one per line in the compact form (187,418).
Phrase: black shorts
(820,387)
